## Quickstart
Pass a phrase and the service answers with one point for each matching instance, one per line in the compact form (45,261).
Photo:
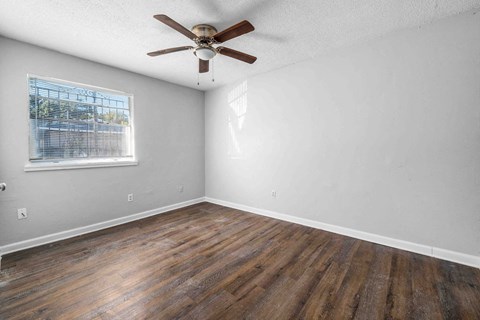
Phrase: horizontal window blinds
(73,122)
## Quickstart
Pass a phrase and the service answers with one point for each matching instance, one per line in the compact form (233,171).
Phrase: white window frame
(59,164)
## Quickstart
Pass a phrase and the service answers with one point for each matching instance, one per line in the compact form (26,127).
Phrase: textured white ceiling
(121,32)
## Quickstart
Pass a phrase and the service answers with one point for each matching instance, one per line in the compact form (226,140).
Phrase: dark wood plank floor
(212,262)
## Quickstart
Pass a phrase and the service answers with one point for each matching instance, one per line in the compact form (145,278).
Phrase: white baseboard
(17,246)
(443,254)
(469,260)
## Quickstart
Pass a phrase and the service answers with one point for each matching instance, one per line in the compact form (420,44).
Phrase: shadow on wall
(237,111)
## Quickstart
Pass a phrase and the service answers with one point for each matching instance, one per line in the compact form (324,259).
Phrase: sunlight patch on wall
(237,102)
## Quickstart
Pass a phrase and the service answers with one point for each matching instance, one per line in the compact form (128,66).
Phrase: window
(73,125)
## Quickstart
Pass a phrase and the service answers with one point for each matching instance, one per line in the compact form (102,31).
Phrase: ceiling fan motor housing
(204,30)
(204,41)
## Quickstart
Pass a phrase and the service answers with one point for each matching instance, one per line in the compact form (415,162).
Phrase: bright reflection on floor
(237,102)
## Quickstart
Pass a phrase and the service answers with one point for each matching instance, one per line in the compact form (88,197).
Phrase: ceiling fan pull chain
(198,79)
(213,70)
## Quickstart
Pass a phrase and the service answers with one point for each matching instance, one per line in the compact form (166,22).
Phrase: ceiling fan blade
(175,25)
(236,55)
(170,50)
(234,31)
(203,65)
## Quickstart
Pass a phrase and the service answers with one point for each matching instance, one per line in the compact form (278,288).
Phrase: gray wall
(169,131)
(381,137)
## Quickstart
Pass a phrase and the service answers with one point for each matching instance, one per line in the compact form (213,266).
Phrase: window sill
(70,165)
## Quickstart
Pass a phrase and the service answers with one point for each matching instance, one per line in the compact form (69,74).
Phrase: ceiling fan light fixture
(205,53)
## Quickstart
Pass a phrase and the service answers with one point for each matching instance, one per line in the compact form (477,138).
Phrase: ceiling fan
(205,36)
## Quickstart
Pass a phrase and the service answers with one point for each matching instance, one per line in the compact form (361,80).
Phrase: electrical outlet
(180,188)
(130,197)
(22,213)
(274,194)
